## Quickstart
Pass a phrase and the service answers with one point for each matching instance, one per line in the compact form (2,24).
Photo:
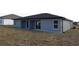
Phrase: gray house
(44,22)
(8,19)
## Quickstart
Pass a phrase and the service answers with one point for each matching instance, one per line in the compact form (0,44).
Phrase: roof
(10,16)
(42,16)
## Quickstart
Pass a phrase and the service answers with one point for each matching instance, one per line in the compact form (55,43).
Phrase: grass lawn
(11,36)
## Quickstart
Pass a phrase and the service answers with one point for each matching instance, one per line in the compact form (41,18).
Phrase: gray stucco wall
(67,25)
(48,25)
(17,23)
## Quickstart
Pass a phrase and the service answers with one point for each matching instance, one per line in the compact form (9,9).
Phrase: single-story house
(44,22)
(8,19)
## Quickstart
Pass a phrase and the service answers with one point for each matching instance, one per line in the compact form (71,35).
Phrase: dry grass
(10,36)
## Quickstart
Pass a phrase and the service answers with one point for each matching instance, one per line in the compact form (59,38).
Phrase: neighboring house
(76,25)
(44,22)
(8,19)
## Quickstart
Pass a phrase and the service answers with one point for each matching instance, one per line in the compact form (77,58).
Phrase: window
(55,24)
(27,24)
(38,25)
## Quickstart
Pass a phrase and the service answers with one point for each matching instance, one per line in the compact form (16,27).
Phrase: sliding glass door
(35,24)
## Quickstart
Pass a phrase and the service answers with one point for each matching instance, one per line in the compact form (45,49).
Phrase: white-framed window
(55,24)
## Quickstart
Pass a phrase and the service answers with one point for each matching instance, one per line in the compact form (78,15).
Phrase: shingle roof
(42,16)
(10,16)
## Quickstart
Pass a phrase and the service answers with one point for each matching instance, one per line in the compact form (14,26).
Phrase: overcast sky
(66,8)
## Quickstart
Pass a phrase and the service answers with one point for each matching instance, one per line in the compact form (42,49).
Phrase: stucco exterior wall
(8,22)
(77,23)
(67,25)
(17,23)
(48,25)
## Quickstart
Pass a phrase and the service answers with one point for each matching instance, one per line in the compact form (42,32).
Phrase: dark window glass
(27,24)
(55,22)
(38,25)
(55,26)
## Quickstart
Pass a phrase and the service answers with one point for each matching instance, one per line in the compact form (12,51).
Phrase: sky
(65,8)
